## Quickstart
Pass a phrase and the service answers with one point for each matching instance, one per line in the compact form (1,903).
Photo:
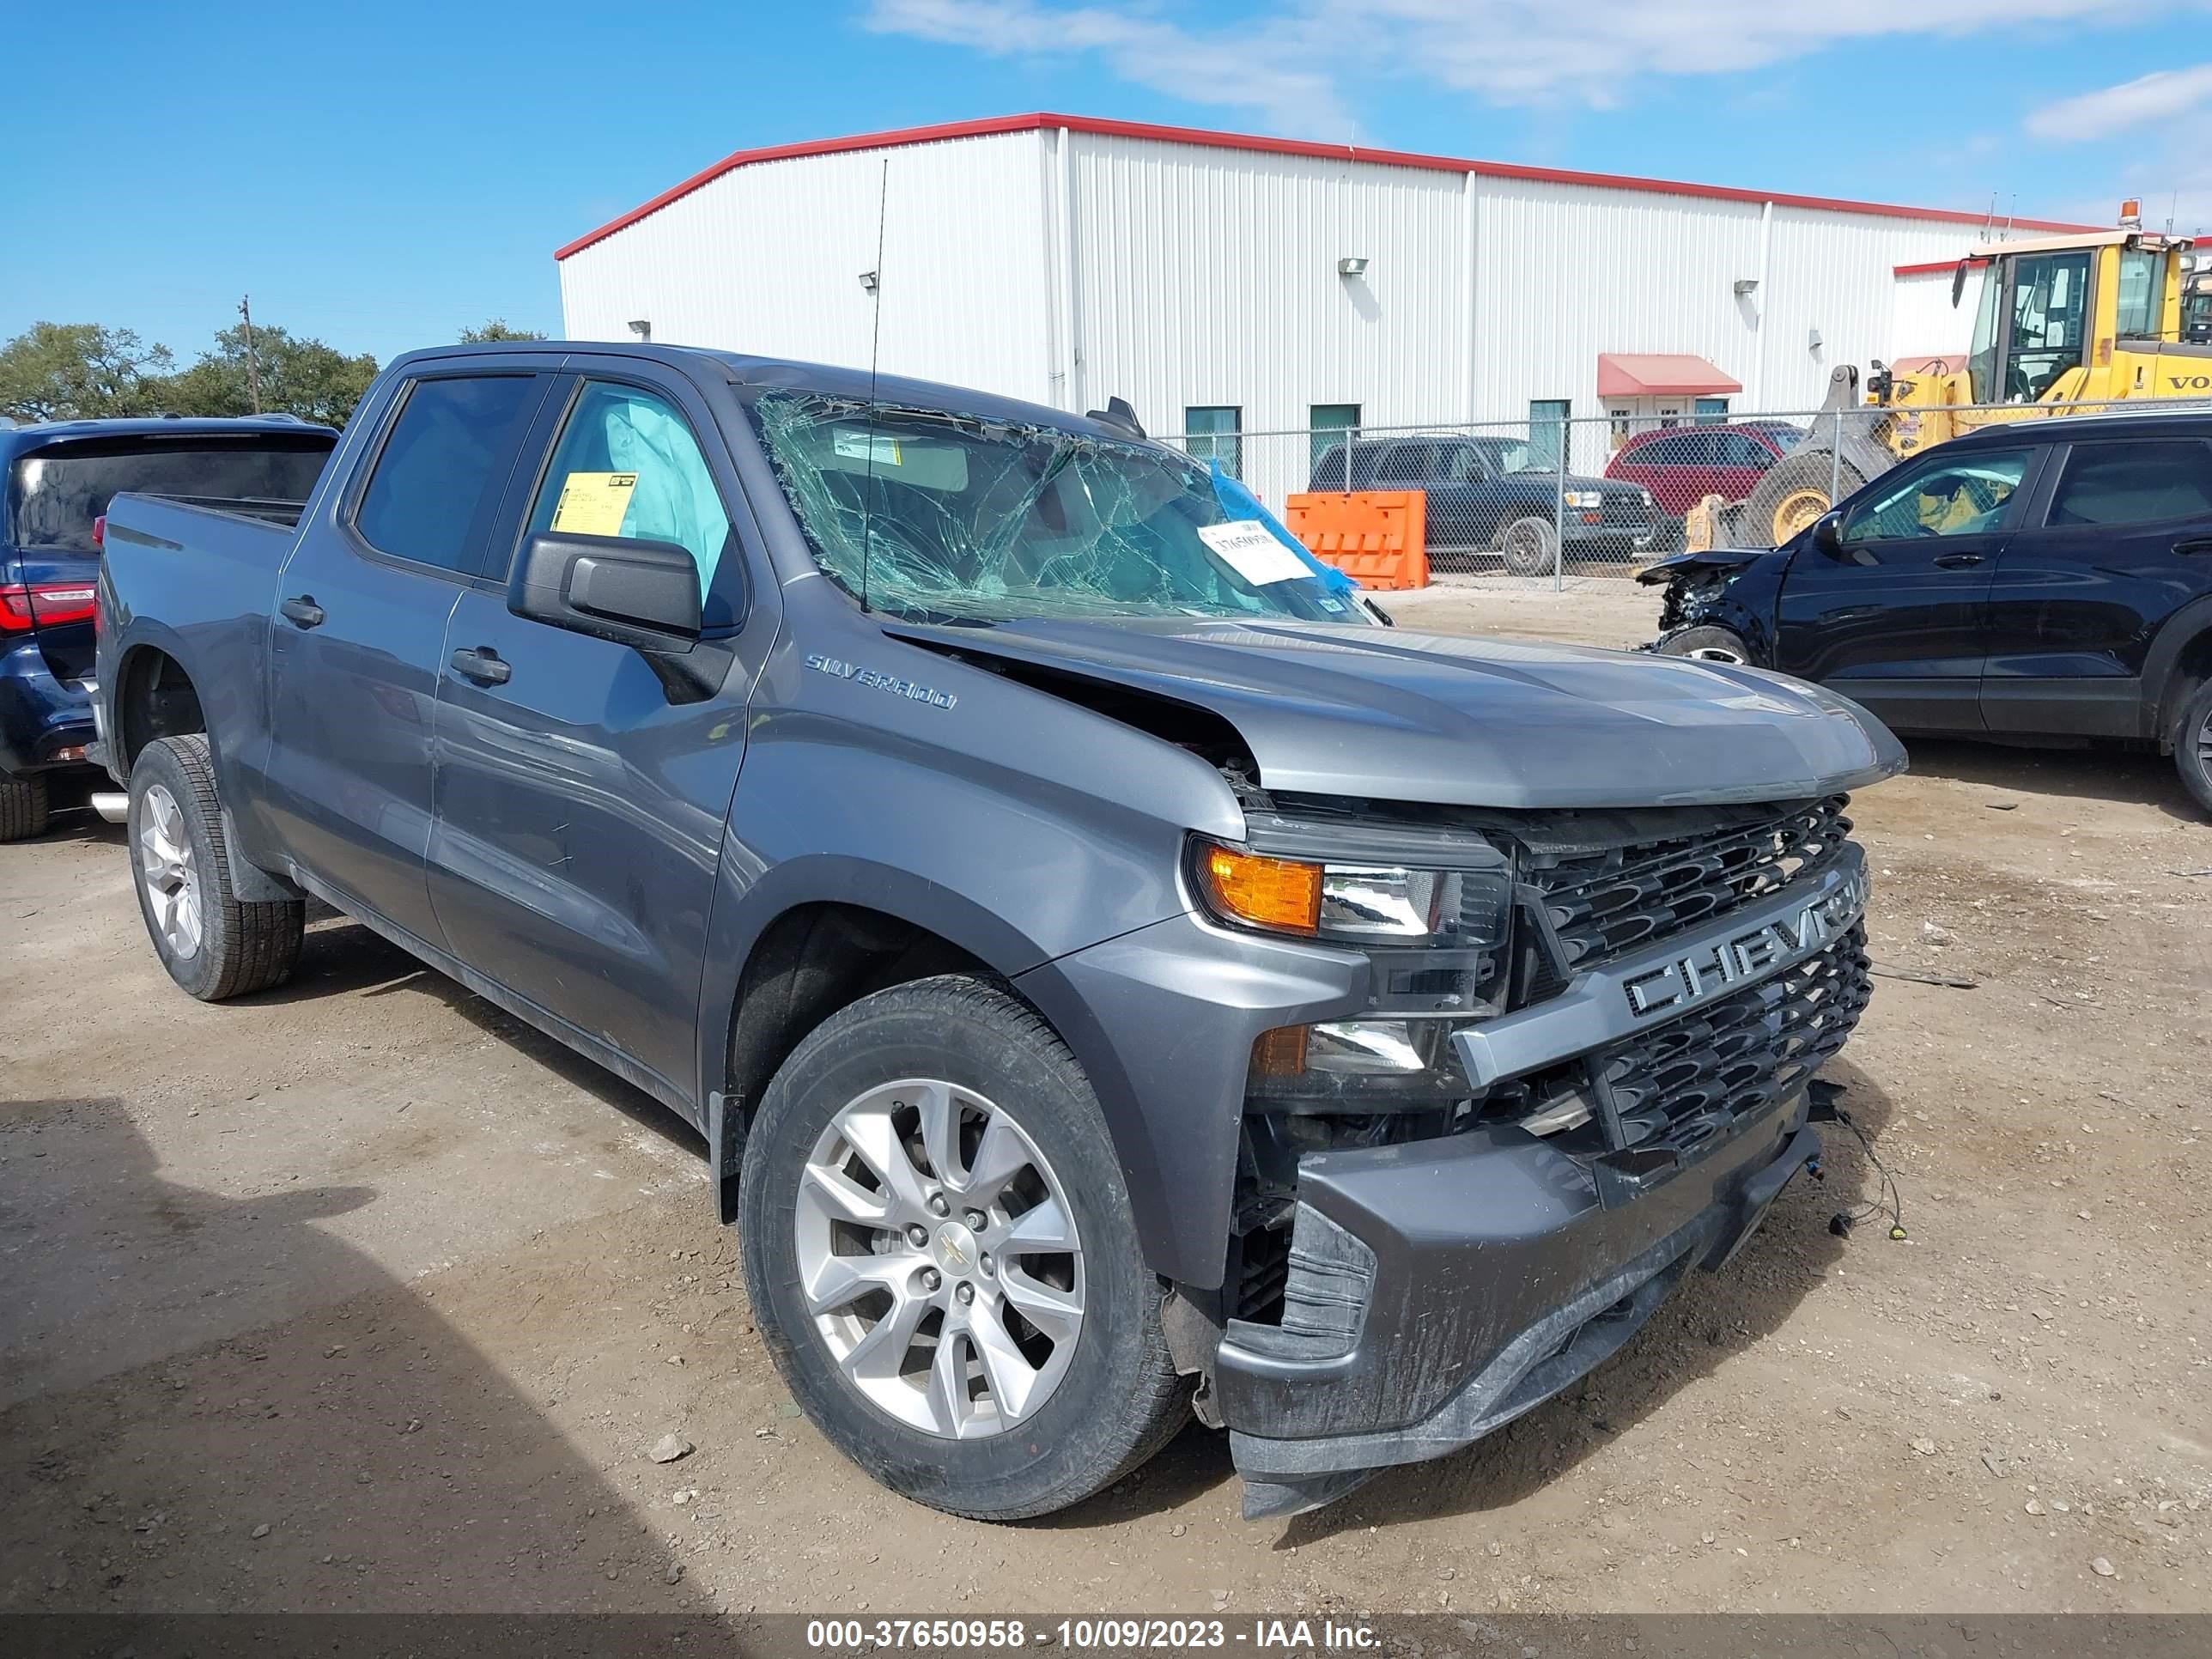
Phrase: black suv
(1496,494)
(2046,579)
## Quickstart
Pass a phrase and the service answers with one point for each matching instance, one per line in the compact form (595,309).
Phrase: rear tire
(214,944)
(1793,492)
(1707,644)
(1531,547)
(2192,745)
(837,1156)
(23,807)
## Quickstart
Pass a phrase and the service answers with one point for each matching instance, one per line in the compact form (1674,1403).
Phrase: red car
(1681,466)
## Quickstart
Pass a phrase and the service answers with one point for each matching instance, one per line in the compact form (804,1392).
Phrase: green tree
(496,329)
(73,371)
(297,377)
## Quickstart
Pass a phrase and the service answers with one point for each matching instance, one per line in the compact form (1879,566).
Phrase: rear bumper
(1458,1284)
(41,717)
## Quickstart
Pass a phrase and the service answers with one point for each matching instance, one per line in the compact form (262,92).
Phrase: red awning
(1659,374)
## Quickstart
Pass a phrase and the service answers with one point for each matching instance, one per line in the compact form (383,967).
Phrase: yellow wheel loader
(2066,324)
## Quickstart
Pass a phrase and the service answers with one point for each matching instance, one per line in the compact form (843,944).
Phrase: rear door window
(59,492)
(2137,482)
(443,467)
(1407,464)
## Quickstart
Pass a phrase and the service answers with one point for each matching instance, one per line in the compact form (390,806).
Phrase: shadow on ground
(359,1455)
(2113,775)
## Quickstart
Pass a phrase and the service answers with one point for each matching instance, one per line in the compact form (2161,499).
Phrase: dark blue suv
(54,482)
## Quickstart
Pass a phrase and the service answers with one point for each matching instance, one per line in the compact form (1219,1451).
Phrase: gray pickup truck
(1114,976)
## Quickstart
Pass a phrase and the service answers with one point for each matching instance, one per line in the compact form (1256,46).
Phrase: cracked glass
(943,516)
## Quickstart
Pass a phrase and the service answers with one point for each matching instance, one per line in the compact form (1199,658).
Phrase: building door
(1548,433)
(1326,426)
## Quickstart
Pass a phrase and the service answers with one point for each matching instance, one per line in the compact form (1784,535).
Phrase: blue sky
(381,176)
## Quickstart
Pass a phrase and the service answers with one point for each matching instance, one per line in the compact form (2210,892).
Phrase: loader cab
(2062,318)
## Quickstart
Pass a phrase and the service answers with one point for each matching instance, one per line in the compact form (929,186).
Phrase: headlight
(1585,498)
(1359,903)
(1431,910)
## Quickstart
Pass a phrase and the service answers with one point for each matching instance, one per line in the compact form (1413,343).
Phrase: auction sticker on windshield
(593,503)
(1252,552)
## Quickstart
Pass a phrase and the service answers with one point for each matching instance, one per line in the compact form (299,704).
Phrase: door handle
(2201,544)
(1957,561)
(482,665)
(302,612)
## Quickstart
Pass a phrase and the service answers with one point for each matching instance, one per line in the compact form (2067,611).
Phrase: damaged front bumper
(1439,1288)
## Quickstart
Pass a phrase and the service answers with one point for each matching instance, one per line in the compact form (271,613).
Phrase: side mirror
(1827,534)
(639,593)
(1959,284)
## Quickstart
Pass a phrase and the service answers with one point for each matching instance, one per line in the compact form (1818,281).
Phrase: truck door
(359,632)
(582,785)
(2125,541)
(1897,617)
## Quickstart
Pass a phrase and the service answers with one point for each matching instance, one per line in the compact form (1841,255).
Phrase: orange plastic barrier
(1378,537)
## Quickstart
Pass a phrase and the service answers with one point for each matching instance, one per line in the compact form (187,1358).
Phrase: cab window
(628,464)
(1961,498)
(2049,318)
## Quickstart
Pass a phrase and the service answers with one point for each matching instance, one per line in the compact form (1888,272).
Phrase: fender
(2184,628)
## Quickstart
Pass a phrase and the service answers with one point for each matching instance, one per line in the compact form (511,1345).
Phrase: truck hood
(1388,715)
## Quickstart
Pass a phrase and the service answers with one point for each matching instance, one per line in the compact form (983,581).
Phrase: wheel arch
(815,935)
(155,697)
(2179,661)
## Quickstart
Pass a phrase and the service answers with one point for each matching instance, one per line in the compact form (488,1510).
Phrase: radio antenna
(875,365)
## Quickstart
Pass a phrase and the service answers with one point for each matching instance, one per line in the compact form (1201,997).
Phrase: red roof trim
(1932,266)
(1242,140)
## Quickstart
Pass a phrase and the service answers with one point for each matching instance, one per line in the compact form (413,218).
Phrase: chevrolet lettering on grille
(1715,967)
(1645,989)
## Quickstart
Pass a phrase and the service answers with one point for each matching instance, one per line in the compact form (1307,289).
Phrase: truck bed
(207,569)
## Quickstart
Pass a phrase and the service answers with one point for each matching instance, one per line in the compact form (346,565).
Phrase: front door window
(1965,496)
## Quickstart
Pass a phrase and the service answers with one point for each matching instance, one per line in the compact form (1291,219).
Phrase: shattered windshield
(963,518)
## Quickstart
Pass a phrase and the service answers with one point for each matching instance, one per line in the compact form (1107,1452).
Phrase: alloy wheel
(168,873)
(939,1259)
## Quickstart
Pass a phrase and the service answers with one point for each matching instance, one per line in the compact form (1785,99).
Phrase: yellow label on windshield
(593,503)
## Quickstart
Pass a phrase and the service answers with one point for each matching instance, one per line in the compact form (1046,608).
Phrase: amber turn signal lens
(1268,892)
(1279,1053)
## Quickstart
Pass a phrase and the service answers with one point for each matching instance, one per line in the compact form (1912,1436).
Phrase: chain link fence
(1554,500)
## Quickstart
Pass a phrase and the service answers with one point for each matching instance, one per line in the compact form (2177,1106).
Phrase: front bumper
(1488,1276)
(44,721)
(1439,1288)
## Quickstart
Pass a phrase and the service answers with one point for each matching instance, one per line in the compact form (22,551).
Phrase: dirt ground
(359,1296)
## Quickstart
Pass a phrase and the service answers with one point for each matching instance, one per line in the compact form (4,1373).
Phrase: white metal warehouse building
(1229,284)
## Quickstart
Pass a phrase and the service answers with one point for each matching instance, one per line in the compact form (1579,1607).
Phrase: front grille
(1608,901)
(1627,512)
(1693,1080)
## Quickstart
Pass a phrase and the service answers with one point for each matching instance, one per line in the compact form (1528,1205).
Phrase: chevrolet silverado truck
(1112,976)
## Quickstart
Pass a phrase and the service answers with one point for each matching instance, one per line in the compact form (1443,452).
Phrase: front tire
(2192,745)
(1706,644)
(23,807)
(214,944)
(942,1258)
(1531,547)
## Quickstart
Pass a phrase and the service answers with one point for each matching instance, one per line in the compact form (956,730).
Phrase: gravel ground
(358,1296)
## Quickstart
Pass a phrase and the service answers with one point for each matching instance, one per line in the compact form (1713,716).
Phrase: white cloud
(2159,96)
(1286,67)
(1266,76)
